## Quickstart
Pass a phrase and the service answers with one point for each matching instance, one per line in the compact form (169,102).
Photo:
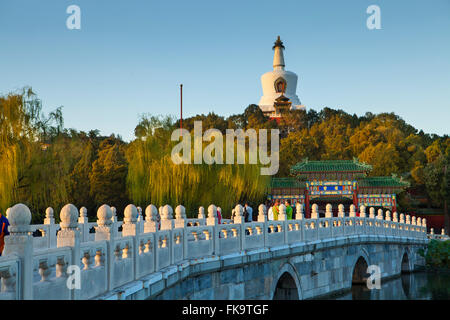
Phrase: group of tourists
(274,209)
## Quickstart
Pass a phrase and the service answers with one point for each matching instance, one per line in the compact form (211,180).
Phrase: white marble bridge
(180,258)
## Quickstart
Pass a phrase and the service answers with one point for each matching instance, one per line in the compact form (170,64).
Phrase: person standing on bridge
(276,209)
(287,203)
(4,223)
(219,215)
(248,213)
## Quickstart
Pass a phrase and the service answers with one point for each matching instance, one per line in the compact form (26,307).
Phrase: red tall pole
(181,106)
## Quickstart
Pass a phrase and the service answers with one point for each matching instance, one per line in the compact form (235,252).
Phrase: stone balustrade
(38,267)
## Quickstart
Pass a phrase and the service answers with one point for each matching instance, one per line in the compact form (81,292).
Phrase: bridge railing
(107,259)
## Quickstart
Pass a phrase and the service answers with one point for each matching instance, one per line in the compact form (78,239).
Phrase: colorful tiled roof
(330,166)
(286,183)
(382,182)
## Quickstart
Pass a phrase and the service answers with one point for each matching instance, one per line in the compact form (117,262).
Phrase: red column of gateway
(307,213)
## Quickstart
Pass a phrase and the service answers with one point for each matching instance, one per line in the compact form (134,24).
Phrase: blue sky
(130,57)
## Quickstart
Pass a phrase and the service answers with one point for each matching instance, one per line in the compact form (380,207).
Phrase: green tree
(108,176)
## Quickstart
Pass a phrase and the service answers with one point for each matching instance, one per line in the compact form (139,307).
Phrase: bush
(437,254)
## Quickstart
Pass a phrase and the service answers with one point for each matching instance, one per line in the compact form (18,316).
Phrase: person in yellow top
(276,209)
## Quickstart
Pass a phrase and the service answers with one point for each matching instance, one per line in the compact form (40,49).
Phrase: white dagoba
(277,81)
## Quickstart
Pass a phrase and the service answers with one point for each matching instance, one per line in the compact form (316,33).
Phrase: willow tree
(154,178)
(33,166)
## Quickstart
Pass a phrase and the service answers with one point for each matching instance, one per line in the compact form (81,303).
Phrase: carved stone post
(212,215)
(328,211)
(362,211)
(352,212)
(105,231)
(372,213)
(50,221)
(408,219)
(114,214)
(151,225)
(388,215)
(282,214)
(262,213)
(69,235)
(395,216)
(201,213)
(140,220)
(402,218)
(314,211)
(341,213)
(83,224)
(299,212)
(380,214)
(166,218)
(20,242)
(213,221)
(130,217)
(239,218)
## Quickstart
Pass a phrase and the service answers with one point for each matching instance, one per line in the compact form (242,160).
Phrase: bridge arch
(405,262)
(286,285)
(359,267)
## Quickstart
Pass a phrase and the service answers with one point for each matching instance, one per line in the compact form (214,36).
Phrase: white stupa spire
(277,83)
(278,56)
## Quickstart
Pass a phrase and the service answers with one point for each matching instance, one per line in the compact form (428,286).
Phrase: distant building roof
(373,182)
(286,183)
(330,166)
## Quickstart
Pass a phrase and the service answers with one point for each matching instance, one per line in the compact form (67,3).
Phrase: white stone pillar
(20,242)
(314,211)
(212,216)
(114,214)
(83,224)
(282,214)
(413,222)
(262,213)
(167,222)
(388,215)
(408,219)
(371,213)
(380,214)
(328,211)
(130,218)
(352,212)
(105,231)
(201,213)
(402,218)
(69,235)
(299,212)
(341,213)
(238,217)
(52,227)
(362,211)
(140,220)
(151,223)
(395,216)
(180,214)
